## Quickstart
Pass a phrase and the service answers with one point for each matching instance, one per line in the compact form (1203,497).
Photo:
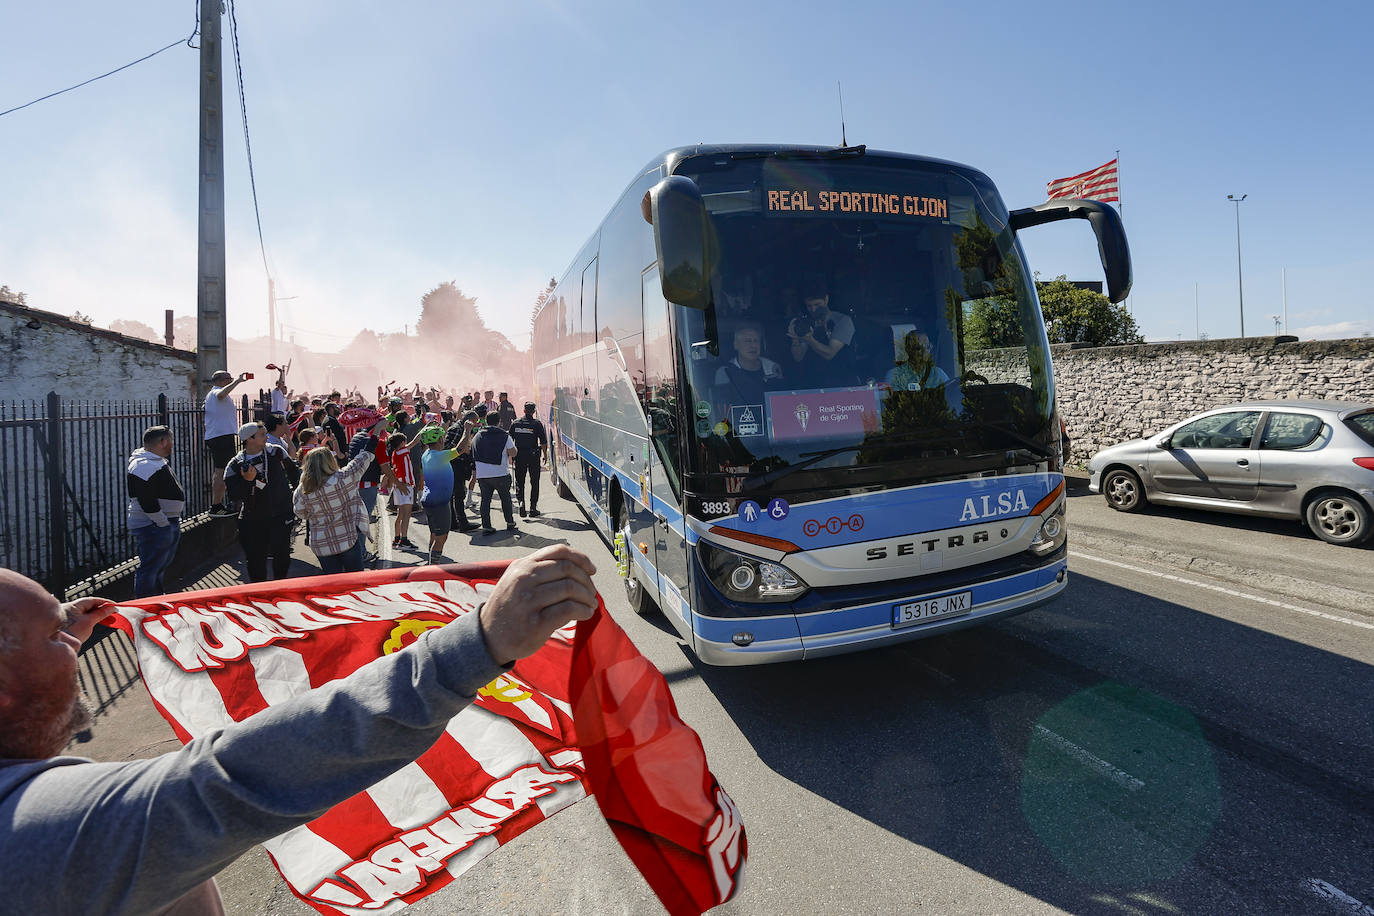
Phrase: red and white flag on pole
(586,714)
(1095,184)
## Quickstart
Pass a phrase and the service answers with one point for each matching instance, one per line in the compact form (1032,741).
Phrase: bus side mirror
(1111,237)
(678,216)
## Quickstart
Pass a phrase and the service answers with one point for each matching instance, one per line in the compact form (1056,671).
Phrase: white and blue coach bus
(768,383)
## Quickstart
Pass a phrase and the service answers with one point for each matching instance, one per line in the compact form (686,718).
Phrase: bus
(806,393)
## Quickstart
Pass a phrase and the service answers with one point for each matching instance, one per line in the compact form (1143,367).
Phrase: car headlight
(1052,534)
(745,578)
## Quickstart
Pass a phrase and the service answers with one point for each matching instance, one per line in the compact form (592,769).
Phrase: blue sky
(397,146)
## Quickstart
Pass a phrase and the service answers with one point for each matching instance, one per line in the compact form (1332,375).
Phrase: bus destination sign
(815,202)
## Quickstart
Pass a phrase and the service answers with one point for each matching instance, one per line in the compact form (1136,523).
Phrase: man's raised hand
(84,613)
(536,595)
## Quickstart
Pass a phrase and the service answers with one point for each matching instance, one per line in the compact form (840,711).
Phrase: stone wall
(42,351)
(1110,394)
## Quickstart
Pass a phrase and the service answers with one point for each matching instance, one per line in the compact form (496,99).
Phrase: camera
(247,375)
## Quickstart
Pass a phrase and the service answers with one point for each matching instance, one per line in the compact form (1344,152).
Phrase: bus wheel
(559,485)
(638,599)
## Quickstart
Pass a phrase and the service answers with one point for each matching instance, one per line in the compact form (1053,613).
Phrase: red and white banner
(586,713)
(1095,184)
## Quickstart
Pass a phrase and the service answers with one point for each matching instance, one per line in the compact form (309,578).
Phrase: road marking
(1225,591)
(1340,898)
(1120,777)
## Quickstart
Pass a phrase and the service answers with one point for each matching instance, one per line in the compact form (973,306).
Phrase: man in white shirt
(221,435)
(279,393)
(749,373)
(493,449)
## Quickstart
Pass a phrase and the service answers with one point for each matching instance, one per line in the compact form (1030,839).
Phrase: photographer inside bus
(821,339)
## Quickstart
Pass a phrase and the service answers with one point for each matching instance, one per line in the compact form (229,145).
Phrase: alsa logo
(988,507)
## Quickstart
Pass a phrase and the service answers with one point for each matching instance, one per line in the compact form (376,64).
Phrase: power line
(248,144)
(186,40)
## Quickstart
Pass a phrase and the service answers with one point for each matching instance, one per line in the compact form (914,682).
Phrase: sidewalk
(128,727)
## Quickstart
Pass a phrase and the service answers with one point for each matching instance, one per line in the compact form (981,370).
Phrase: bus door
(664,519)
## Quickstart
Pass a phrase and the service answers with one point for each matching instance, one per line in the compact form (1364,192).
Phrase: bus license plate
(927,609)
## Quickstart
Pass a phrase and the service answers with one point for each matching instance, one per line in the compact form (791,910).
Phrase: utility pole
(1240,277)
(211,335)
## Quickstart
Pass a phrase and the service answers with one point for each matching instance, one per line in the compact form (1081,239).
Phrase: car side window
(1234,429)
(1290,430)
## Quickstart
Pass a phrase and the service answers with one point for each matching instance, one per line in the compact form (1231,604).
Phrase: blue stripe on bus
(765,629)
(909,510)
(629,486)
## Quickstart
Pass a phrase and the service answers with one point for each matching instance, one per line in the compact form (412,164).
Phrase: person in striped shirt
(403,489)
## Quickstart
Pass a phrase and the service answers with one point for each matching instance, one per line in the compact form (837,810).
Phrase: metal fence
(63,495)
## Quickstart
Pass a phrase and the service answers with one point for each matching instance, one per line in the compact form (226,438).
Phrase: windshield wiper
(1028,444)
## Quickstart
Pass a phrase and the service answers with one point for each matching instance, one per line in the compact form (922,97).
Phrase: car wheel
(1123,490)
(1338,518)
(638,599)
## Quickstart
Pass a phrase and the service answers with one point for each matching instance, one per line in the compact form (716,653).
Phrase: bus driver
(749,373)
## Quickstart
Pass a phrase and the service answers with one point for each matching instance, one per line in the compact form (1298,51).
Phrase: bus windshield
(855,304)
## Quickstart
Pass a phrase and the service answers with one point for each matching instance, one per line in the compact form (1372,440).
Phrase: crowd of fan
(326,462)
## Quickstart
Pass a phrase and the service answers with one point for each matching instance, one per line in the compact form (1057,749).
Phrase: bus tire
(557,480)
(635,595)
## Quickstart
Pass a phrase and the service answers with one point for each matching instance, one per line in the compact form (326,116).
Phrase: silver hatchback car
(1308,460)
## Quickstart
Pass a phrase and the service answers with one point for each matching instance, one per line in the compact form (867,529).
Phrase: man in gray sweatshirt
(147,836)
(156,501)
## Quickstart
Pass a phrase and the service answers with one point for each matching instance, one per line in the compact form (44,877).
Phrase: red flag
(211,658)
(1094,184)
(647,770)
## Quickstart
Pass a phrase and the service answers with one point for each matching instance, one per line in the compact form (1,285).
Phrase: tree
(13,295)
(1077,315)
(81,317)
(1072,315)
(131,328)
(445,312)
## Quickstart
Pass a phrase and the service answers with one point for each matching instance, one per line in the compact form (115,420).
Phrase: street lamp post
(1240,277)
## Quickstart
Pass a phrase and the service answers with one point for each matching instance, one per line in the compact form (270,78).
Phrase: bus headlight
(743,578)
(1052,534)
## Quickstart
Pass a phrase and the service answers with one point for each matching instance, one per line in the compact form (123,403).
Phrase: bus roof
(674,156)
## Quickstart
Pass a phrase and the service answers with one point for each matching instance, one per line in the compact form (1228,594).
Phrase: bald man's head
(41,706)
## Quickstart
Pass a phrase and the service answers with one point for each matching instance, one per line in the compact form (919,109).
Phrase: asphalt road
(1175,734)
(1155,741)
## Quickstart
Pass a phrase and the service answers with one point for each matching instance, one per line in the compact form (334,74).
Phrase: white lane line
(1120,777)
(1225,591)
(1338,897)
